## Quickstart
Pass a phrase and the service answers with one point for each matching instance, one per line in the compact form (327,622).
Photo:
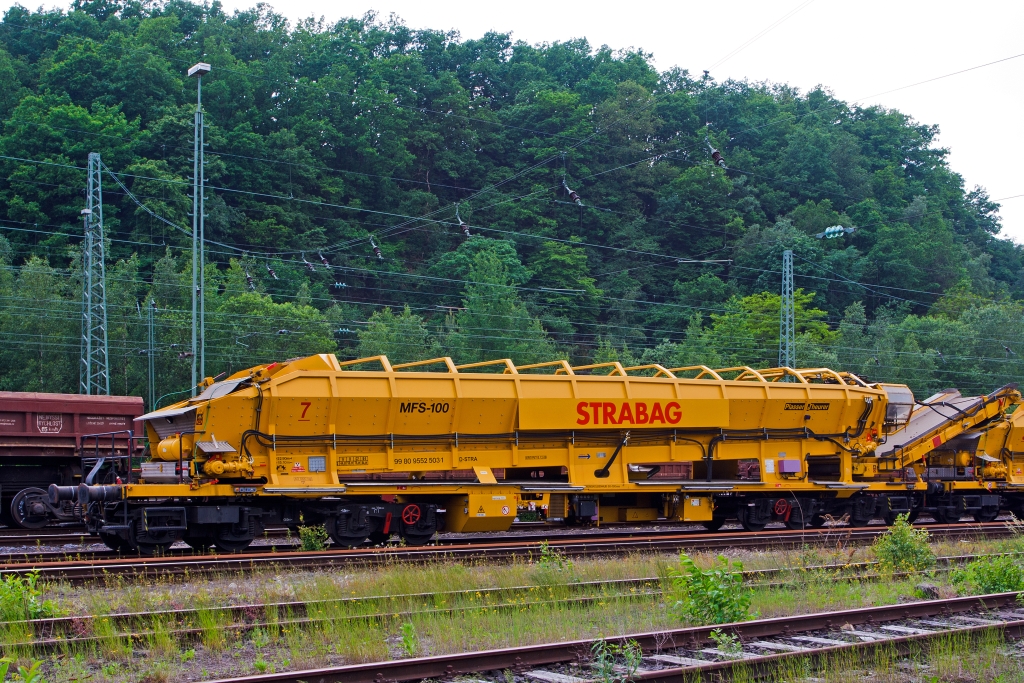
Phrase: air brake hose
(603,472)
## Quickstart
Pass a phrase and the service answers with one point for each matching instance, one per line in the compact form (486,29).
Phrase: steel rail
(577,546)
(519,658)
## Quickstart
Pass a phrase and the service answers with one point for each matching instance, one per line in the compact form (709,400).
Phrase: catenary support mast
(787,324)
(95,366)
(198,237)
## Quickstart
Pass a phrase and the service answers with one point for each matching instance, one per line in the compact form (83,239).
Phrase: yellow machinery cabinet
(638,514)
(480,512)
(696,508)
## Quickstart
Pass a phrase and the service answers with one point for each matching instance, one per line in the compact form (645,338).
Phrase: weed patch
(1000,574)
(903,548)
(708,596)
(313,538)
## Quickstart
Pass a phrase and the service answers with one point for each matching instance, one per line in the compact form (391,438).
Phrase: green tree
(494,322)
(402,338)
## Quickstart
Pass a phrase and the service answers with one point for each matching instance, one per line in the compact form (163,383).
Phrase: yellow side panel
(419,386)
(696,509)
(660,389)
(303,406)
(480,512)
(553,413)
(487,387)
(557,386)
(638,514)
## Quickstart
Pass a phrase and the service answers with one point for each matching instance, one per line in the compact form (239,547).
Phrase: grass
(962,658)
(388,626)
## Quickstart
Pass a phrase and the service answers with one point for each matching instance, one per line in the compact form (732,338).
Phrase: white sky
(855,47)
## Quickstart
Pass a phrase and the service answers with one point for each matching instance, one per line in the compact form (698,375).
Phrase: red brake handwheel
(411,514)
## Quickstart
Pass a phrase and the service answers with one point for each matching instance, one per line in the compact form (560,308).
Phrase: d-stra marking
(628,413)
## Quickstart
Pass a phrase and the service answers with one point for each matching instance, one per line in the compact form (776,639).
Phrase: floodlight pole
(198,235)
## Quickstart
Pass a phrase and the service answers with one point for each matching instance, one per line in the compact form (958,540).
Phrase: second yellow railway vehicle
(369,449)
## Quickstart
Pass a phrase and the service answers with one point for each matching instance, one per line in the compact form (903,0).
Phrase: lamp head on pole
(199,70)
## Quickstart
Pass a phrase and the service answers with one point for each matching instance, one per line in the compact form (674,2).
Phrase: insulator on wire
(462,226)
(323,260)
(376,250)
(249,279)
(309,266)
(271,271)
(834,231)
(572,194)
(339,285)
(716,157)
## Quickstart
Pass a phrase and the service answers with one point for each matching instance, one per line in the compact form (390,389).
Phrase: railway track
(55,632)
(52,536)
(79,570)
(686,654)
(283,539)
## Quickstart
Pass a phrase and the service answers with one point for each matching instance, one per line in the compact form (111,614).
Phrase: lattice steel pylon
(787,323)
(95,367)
(198,234)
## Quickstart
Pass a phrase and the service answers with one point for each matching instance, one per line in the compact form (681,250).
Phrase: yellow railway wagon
(369,449)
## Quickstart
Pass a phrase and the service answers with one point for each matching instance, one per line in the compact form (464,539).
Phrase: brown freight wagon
(41,442)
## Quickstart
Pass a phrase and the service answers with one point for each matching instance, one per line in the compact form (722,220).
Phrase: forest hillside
(377,189)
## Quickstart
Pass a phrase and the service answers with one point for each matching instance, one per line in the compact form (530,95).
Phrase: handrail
(510,367)
(704,370)
(382,359)
(444,359)
(565,367)
(615,365)
(127,435)
(651,366)
(856,380)
(776,374)
(744,371)
(823,371)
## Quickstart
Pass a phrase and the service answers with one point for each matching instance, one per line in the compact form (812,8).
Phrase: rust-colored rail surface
(473,549)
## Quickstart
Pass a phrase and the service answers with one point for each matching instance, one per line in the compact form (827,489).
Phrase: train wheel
(234,538)
(944,515)
(413,538)
(153,549)
(231,545)
(149,544)
(29,509)
(747,523)
(351,531)
(199,544)
(115,542)
(982,516)
(714,524)
(379,537)
(859,520)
